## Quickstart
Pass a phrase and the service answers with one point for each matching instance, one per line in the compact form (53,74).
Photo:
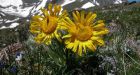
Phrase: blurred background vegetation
(120,55)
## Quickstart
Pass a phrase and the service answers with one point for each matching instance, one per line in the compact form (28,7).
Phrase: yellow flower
(45,26)
(83,32)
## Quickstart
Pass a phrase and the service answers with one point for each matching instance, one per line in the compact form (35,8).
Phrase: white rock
(5,3)
(67,2)
(118,2)
(13,25)
(87,5)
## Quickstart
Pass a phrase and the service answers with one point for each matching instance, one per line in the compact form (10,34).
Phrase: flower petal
(76,43)
(70,45)
(80,50)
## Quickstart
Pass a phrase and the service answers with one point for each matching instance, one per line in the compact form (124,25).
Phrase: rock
(132,2)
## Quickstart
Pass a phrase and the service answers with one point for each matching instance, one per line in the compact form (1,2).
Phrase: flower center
(50,28)
(84,33)
(51,25)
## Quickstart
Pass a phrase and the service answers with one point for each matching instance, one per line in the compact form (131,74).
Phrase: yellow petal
(64,14)
(100,21)
(75,17)
(91,47)
(69,21)
(76,43)
(48,42)
(98,33)
(78,14)
(44,38)
(89,15)
(45,12)
(100,42)
(82,17)
(36,18)
(58,8)
(70,45)
(55,8)
(34,28)
(50,7)
(34,31)
(80,50)
(91,18)
(95,38)
(40,38)
(84,48)
(101,25)
(67,41)
(65,23)
(66,36)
